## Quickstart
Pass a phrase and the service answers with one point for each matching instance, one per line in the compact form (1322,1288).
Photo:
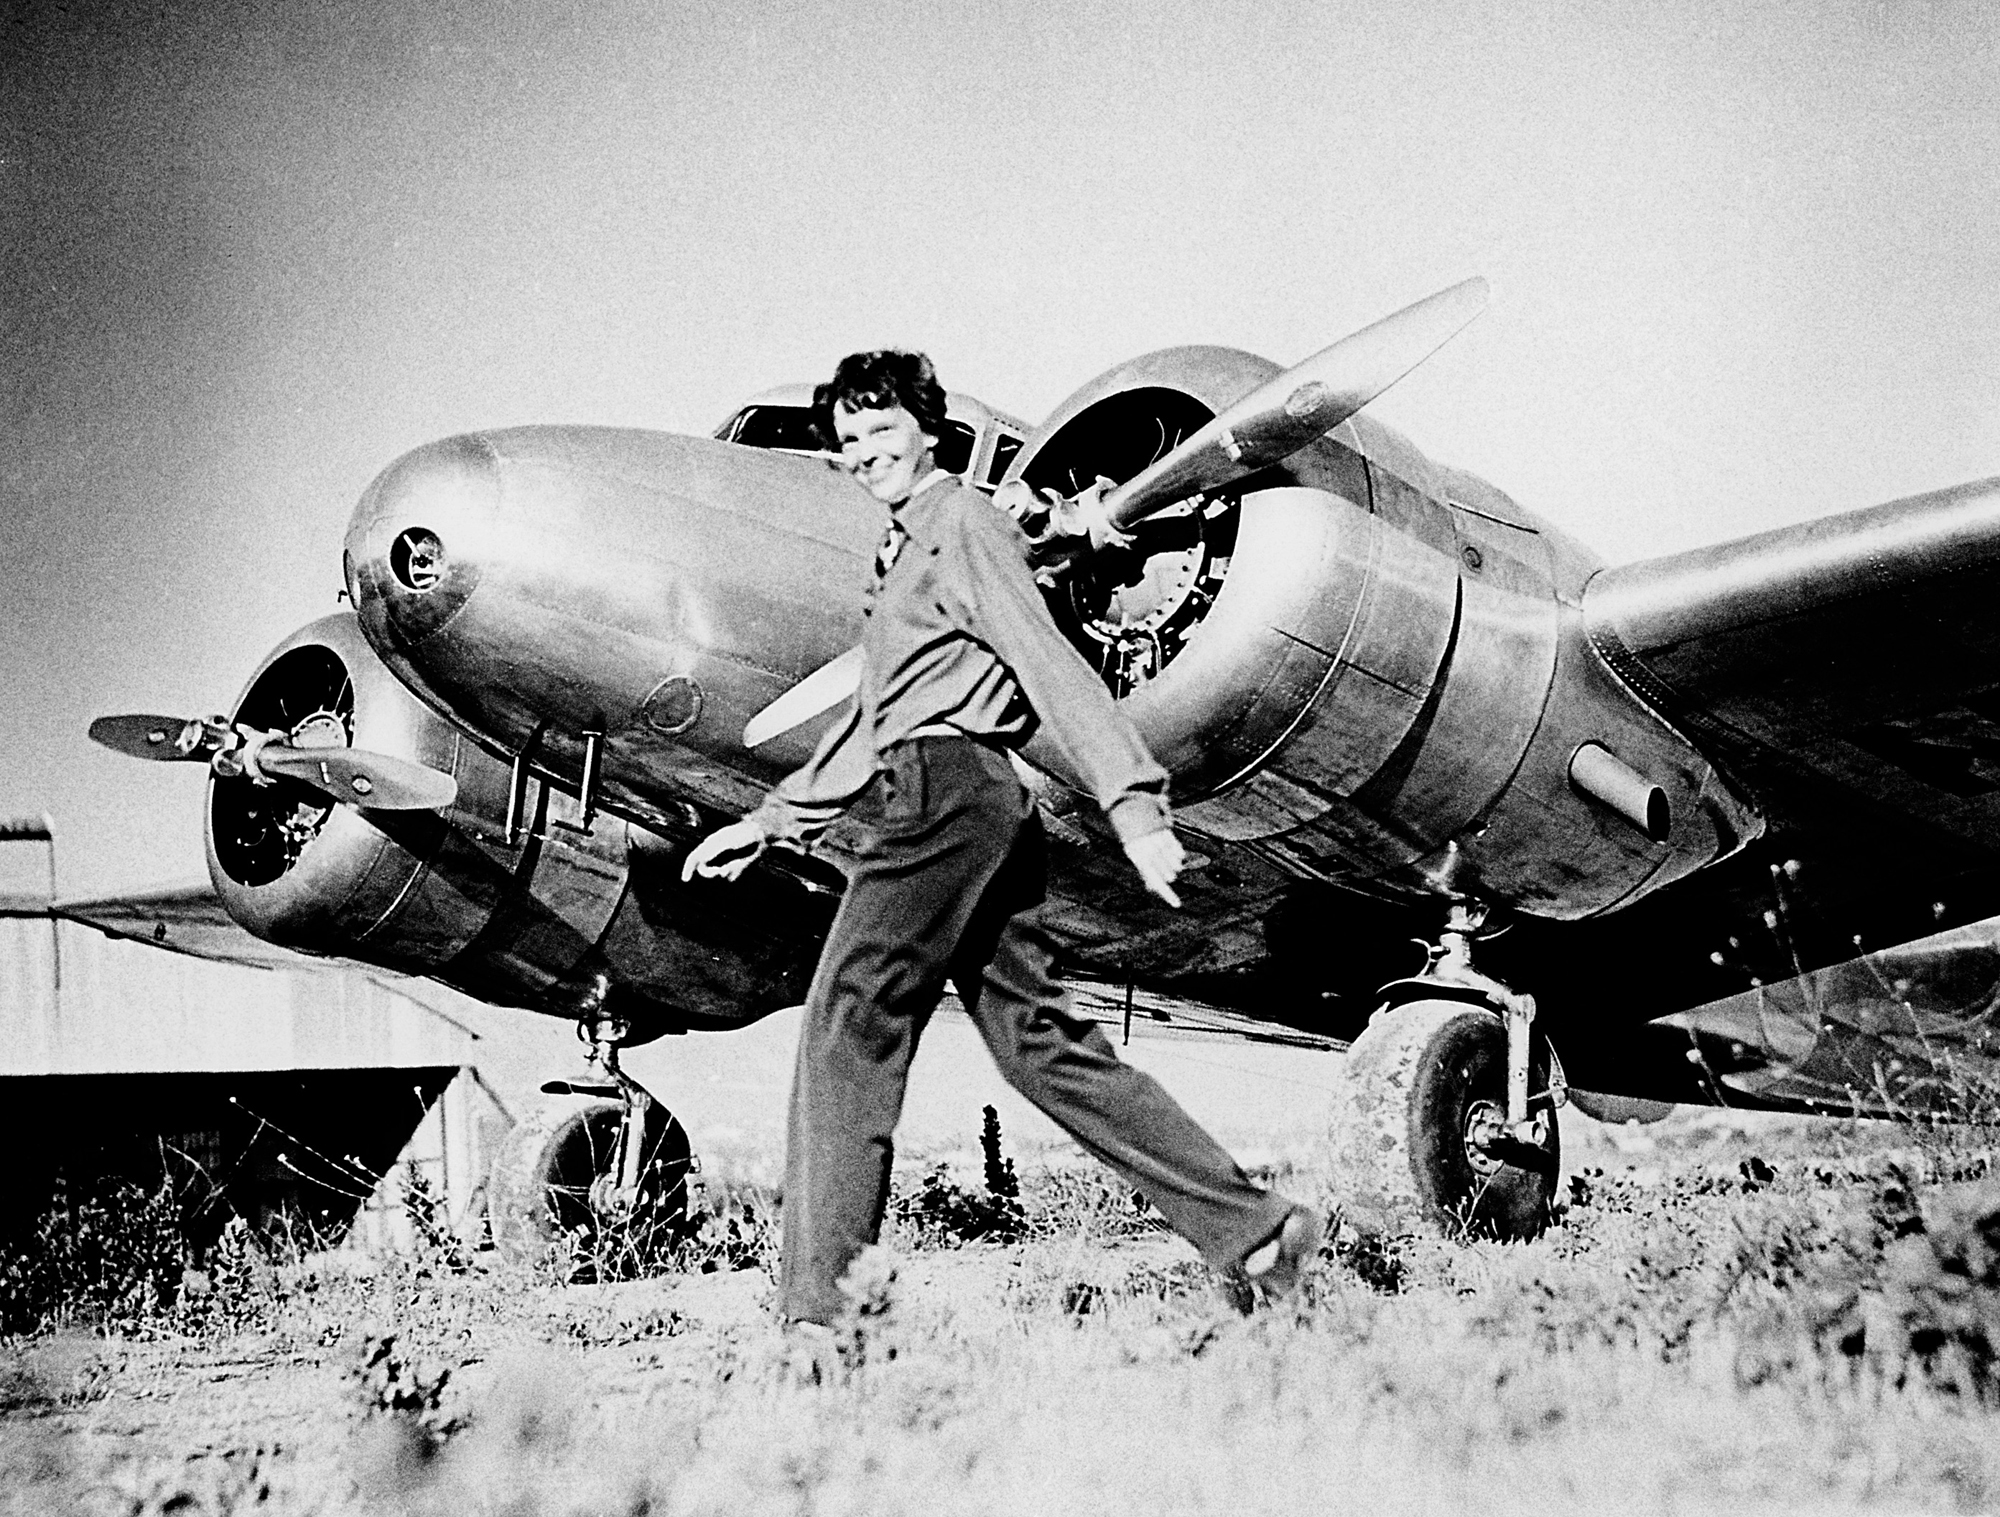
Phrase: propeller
(826,687)
(1265,427)
(1305,402)
(315,756)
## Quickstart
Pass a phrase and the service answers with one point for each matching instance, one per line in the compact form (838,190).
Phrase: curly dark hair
(876,381)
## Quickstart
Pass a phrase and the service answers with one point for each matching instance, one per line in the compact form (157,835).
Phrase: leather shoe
(1296,1243)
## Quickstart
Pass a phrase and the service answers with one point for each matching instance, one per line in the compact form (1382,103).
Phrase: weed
(237,1291)
(944,1214)
(437,1241)
(1458,1369)
(1374,1259)
(1001,1181)
(1903,1289)
(1082,1297)
(735,1231)
(1179,1280)
(1089,1204)
(868,1330)
(610,1330)
(223,1485)
(1941,1295)
(1485,1367)
(125,1261)
(410,1392)
(113,1260)
(605,1249)
(941,1213)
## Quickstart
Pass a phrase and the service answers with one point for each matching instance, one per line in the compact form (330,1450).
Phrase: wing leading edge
(1845,673)
(1848,669)
(186,919)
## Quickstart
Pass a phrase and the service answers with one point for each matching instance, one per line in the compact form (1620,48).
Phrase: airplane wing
(1844,673)
(1911,1028)
(190,919)
(186,919)
(1147,1014)
(1843,668)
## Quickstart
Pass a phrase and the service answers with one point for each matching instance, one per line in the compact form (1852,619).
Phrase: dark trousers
(950,887)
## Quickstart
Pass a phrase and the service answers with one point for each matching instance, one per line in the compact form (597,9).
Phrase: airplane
(1515,827)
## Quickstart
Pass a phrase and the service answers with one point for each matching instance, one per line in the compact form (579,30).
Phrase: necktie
(892,545)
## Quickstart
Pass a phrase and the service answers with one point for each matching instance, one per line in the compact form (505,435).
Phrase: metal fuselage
(1360,667)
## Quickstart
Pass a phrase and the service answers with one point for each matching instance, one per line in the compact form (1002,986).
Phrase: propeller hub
(323,729)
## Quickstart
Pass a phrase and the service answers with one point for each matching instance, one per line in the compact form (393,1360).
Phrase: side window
(1006,447)
(954,449)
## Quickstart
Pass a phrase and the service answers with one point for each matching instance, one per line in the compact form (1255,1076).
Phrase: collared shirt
(958,639)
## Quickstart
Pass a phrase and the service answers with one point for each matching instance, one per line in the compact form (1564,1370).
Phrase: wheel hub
(1491,1142)
(1485,1129)
(611,1201)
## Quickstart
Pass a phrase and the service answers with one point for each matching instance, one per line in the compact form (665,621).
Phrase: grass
(1801,1319)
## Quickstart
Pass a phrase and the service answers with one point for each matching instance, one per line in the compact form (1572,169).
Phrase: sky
(1745,263)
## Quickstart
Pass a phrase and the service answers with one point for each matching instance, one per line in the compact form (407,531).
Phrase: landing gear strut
(1445,1111)
(603,1182)
(616,1193)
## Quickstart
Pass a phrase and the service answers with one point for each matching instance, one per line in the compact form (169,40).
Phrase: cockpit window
(791,429)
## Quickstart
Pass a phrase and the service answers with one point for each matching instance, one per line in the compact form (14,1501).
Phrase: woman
(962,664)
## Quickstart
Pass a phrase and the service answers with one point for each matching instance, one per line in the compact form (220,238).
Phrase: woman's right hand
(726,852)
(1158,856)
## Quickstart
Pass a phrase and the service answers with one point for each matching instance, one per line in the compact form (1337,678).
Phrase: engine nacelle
(1367,666)
(536,923)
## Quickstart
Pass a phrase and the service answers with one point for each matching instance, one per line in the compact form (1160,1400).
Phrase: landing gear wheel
(550,1178)
(1416,1135)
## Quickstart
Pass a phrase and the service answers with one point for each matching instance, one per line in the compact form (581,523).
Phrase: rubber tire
(538,1188)
(1396,1134)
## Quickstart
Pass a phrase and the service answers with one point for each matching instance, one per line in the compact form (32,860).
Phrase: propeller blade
(822,690)
(373,780)
(172,739)
(1305,402)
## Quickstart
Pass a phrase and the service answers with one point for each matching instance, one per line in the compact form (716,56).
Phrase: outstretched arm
(726,852)
(1000,604)
(799,808)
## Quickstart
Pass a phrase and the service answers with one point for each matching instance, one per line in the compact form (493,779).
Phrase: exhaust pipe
(1603,776)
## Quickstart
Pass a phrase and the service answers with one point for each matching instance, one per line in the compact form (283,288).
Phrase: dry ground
(1713,1326)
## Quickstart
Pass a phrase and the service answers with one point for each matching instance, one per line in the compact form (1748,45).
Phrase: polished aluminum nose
(540,584)
(414,544)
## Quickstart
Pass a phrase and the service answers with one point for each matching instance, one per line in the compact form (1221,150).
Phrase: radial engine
(558,918)
(1368,666)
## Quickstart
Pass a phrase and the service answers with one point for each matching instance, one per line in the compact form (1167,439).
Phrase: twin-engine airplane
(1734,810)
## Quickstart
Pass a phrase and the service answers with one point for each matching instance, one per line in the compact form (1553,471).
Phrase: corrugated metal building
(282,1090)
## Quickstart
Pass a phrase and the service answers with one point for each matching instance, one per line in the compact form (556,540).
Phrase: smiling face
(887,450)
